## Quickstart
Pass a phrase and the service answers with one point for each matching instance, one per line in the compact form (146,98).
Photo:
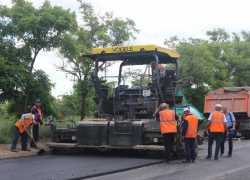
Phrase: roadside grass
(7,126)
(6,129)
(44,132)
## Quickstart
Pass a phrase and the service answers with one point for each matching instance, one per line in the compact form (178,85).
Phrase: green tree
(40,88)
(31,31)
(97,31)
(218,35)
(206,65)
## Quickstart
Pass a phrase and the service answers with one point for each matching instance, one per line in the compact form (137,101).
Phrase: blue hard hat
(38,101)
(231,133)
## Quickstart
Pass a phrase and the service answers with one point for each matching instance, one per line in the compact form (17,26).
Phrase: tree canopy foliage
(24,32)
(222,60)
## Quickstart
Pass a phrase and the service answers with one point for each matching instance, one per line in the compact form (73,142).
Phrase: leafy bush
(6,126)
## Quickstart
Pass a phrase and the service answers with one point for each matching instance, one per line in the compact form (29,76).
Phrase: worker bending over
(26,121)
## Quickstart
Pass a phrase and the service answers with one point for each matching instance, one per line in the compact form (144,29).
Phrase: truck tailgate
(236,101)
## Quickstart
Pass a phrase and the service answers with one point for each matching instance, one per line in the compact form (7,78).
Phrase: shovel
(41,151)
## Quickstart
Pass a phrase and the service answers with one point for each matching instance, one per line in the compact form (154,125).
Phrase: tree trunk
(27,89)
(20,110)
(83,109)
(26,98)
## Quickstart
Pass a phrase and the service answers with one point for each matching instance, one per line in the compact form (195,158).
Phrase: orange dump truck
(237,100)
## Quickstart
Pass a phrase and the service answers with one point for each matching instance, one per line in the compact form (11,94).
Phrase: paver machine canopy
(128,103)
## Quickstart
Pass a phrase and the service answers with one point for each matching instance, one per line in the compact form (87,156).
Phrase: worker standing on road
(217,124)
(230,126)
(189,133)
(26,121)
(36,109)
(168,123)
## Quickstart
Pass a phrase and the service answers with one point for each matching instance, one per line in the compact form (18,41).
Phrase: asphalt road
(236,167)
(115,166)
(68,166)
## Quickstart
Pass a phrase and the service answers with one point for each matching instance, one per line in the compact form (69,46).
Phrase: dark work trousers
(230,143)
(35,135)
(24,139)
(168,140)
(218,136)
(190,148)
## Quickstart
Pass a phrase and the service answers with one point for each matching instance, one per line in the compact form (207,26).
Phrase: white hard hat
(218,105)
(186,109)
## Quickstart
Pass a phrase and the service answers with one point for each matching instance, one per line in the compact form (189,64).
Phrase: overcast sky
(157,20)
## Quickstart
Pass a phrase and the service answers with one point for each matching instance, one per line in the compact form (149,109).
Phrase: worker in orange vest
(189,133)
(217,123)
(26,121)
(168,123)
(36,109)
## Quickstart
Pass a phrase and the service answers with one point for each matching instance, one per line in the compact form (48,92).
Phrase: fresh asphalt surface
(127,165)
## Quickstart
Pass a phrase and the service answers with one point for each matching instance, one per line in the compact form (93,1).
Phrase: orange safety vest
(217,122)
(160,66)
(167,121)
(192,126)
(39,112)
(27,123)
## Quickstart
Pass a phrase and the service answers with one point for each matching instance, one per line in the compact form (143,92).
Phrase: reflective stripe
(217,122)
(192,127)
(167,120)
(213,120)
(191,133)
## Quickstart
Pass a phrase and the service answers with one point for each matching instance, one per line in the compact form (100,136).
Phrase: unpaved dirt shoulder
(6,153)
